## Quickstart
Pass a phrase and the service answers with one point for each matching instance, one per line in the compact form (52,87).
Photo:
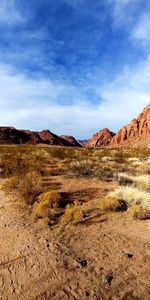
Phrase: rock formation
(11,135)
(71,140)
(137,133)
(101,138)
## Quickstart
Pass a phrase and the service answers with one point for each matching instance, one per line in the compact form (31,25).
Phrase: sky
(73,66)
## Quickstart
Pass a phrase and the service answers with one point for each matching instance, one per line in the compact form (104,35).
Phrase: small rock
(109,278)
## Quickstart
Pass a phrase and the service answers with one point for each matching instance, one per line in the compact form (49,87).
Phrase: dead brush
(139,213)
(19,164)
(10,185)
(113,204)
(48,205)
(72,214)
(81,168)
(30,187)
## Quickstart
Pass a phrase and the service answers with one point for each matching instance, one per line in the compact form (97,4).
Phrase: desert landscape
(75,219)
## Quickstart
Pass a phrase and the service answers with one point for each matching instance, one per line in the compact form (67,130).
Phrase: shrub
(52,198)
(142,181)
(113,204)
(10,185)
(106,159)
(139,213)
(46,205)
(73,213)
(131,195)
(43,210)
(81,168)
(30,187)
(20,161)
(124,178)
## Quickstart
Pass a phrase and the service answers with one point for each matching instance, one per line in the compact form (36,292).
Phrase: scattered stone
(83,263)
(109,278)
(130,255)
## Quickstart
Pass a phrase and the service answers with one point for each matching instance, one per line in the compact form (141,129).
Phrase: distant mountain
(83,142)
(71,140)
(11,135)
(101,138)
(135,134)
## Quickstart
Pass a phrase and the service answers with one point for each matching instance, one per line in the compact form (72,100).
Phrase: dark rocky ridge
(11,135)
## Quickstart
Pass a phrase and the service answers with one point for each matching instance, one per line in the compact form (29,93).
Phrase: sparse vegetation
(41,175)
(72,214)
(28,187)
(113,204)
(139,213)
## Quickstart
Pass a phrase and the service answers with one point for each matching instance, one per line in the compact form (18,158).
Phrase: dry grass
(142,181)
(139,213)
(132,195)
(10,185)
(72,214)
(82,175)
(30,187)
(113,204)
(26,188)
(52,198)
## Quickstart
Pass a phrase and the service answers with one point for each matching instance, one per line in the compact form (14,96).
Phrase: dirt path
(104,261)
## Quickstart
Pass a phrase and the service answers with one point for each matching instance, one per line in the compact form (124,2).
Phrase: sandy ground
(105,258)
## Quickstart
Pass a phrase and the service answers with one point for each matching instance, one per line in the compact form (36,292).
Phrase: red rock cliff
(137,133)
(101,138)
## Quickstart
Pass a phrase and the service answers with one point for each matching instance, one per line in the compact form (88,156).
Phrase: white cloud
(141,31)
(34,104)
(127,95)
(9,12)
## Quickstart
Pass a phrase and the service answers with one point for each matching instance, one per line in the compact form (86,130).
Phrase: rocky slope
(101,138)
(137,133)
(71,140)
(11,135)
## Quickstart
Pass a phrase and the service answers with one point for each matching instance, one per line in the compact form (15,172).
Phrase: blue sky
(73,66)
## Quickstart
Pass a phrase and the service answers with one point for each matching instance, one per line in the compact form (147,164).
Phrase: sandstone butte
(135,134)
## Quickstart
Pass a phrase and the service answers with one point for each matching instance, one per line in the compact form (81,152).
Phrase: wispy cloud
(9,12)
(37,104)
(141,30)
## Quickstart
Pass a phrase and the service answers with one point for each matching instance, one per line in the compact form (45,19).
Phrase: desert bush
(18,163)
(142,181)
(106,159)
(47,206)
(139,213)
(10,185)
(30,187)
(124,178)
(131,195)
(52,198)
(72,214)
(43,210)
(81,168)
(113,204)
(133,159)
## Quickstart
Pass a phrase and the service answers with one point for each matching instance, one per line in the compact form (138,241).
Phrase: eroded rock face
(101,138)
(11,135)
(71,140)
(137,133)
